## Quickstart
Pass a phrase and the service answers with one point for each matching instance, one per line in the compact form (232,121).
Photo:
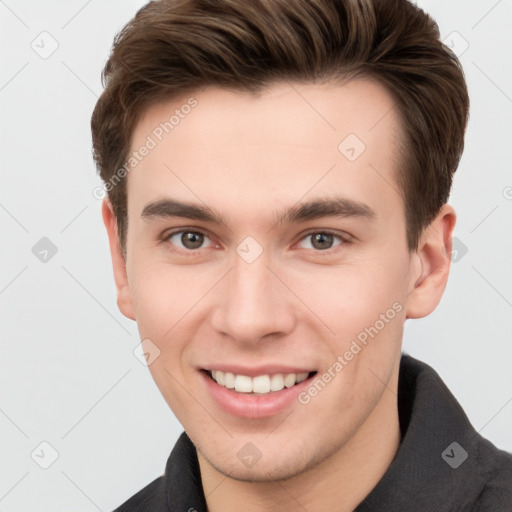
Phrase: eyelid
(166,235)
(344,238)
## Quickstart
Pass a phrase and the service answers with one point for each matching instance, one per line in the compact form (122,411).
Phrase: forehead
(279,144)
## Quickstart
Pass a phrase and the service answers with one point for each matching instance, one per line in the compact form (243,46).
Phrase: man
(277,175)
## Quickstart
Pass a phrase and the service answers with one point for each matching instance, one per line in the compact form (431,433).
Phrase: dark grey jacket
(442,465)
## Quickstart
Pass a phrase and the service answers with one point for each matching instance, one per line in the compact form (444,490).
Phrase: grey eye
(188,239)
(321,241)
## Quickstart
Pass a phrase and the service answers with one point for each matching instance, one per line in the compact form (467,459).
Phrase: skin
(250,157)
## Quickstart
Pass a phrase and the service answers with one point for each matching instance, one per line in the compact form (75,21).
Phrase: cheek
(363,306)
(171,306)
(167,303)
(164,295)
(350,298)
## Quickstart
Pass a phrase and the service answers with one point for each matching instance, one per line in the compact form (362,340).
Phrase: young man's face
(264,293)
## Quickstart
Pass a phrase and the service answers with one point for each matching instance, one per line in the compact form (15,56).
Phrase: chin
(279,466)
(262,472)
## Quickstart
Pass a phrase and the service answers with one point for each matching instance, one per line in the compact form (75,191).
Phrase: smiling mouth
(261,384)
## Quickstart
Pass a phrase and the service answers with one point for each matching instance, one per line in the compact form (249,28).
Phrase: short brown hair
(172,47)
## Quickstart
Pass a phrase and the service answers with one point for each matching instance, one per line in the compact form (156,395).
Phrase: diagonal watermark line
(435,433)
(311,105)
(216,487)
(424,422)
(95,95)
(505,405)
(492,81)
(96,300)
(3,412)
(486,14)
(383,383)
(422,419)
(76,14)
(14,14)
(292,497)
(279,424)
(88,497)
(13,279)
(87,413)
(198,198)
(74,218)
(379,120)
(493,287)
(324,324)
(196,303)
(407,506)
(5,495)
(13,218)
(399,192)
(14,76)
(199,403)
(303,196)
(488,215)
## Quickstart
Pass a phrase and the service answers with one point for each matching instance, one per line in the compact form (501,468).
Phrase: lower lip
(247,405)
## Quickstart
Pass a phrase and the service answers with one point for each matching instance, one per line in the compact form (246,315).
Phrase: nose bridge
(253,303)
(251,282)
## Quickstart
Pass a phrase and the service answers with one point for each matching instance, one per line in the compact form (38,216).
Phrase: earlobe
(124,300)
(434,258)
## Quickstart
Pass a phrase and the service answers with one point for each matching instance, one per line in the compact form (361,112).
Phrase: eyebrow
(168,208)
(302,212)
(328,207)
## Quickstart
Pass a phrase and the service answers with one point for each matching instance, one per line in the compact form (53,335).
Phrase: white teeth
(302,376)
(243,384)
(229,379)
(261,384)
(277,382)
(289,380)
(219,377)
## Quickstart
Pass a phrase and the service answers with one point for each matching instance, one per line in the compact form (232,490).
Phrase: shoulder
(496,472)
(179,488)
(152,497)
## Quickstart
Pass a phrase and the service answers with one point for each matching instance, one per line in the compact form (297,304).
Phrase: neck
(340,482)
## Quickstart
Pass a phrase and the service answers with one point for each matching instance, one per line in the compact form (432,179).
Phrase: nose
(253,304)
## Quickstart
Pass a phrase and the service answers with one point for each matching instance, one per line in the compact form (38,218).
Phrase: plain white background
(69,376)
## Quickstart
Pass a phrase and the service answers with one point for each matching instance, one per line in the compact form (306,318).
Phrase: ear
(124,301)
(434,254)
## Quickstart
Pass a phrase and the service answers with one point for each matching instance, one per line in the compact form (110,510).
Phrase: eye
(321,240)
(189,240)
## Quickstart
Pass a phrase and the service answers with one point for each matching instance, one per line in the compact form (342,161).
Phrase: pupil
(322,241)
(192,240)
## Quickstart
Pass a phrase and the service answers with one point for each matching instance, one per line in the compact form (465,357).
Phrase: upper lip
(254,371)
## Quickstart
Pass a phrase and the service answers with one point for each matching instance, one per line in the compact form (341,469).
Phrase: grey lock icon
(44,250)
(454,455)
(351,147)
(45,45)
(44,455)
(457,44)
(146,352)
(249,455)
(459,249)
(249,249)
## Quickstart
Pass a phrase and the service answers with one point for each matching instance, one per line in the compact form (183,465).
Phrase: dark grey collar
(442,464)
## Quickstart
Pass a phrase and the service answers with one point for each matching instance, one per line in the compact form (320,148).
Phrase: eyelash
(326,252)
(343,239)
